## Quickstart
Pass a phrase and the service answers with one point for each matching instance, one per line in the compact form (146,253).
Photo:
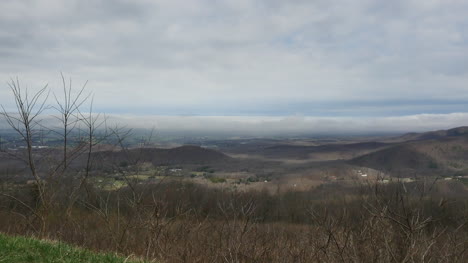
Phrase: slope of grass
(22,249)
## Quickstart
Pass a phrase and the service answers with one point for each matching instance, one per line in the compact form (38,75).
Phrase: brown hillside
(397,159)
(340,151)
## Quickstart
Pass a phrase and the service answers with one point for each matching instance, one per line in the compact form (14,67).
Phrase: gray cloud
(203,56)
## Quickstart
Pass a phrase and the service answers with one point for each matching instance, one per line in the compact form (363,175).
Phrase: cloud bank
(258,126)
(292,125)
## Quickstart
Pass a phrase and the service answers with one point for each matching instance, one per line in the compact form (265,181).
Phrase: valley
(270,164)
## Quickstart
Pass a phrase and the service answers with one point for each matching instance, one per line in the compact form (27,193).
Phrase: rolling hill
(158,156)
(397,159)
(322,152)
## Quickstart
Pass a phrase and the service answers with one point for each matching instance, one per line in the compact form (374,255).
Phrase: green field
(22,249)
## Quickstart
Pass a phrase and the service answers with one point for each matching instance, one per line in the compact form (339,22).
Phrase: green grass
(216,180)
(141,177)
(464,181)
(22,249)
(198,173)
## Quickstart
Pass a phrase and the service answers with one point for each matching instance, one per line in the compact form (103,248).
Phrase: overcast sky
(344,58)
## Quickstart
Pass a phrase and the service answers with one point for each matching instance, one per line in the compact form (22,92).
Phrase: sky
(297,59)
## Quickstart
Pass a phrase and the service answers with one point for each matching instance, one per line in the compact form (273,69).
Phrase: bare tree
(93,123)
(25,119)
(68,109)
(23,122)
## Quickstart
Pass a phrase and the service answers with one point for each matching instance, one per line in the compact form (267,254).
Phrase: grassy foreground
(22,249)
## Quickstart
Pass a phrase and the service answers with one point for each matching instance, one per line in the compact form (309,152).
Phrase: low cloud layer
(170,57)
(292,125)
(258,126)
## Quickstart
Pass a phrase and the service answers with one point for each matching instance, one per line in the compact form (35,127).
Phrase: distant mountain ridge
(459,131)
(443,152)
